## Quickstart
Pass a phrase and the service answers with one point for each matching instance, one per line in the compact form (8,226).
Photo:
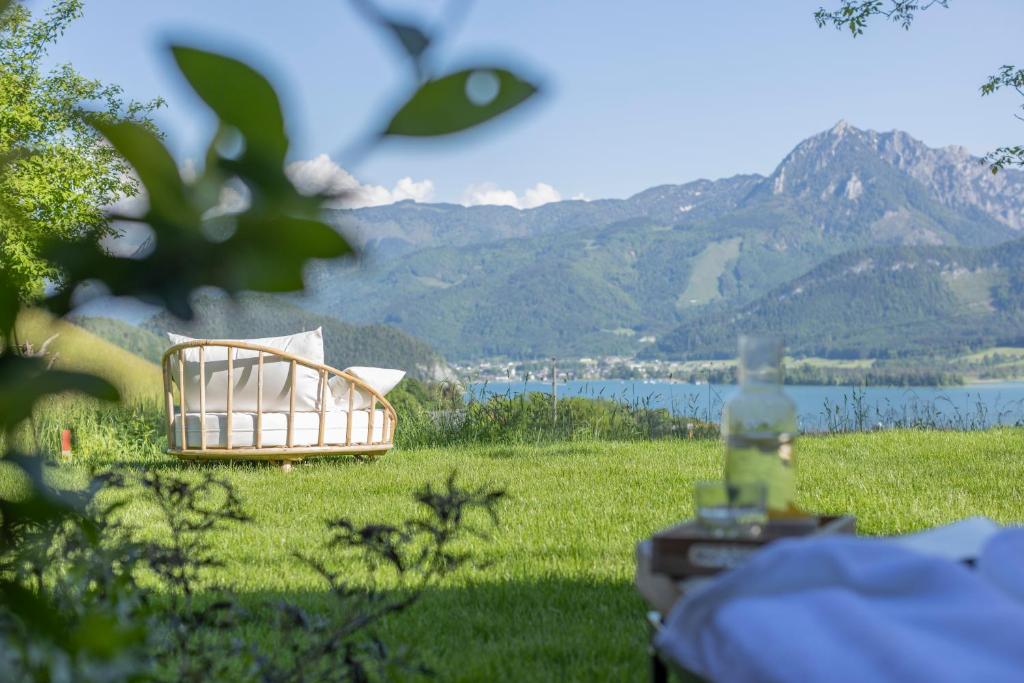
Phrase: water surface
(819,407)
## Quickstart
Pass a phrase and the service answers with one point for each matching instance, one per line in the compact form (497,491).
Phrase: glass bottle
(759,425)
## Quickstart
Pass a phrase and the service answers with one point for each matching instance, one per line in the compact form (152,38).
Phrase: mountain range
(858,242)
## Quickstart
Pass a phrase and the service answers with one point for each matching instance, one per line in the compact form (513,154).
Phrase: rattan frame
(178,442)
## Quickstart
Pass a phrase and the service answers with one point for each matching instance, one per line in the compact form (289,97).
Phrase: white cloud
(321,175)
(490,193)
(541,193)
(313,176)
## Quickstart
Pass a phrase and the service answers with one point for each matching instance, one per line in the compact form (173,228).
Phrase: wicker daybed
(272,399)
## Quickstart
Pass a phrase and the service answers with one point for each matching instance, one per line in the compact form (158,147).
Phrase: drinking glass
(730,510)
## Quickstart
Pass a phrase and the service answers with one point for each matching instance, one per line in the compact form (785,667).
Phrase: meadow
(554,600)
(549,594)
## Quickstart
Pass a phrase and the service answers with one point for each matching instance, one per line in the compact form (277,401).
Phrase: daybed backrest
(276,374)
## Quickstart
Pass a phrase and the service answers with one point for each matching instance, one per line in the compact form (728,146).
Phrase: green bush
(530,418)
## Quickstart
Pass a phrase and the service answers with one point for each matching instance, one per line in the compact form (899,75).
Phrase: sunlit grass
(557,601)
(78,349)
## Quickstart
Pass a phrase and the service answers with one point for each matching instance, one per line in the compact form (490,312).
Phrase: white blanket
(856,609)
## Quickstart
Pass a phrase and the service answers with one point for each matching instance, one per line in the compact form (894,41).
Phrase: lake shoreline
(819,407)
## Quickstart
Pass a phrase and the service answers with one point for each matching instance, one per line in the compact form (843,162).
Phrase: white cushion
(276,374)
(382,380)
(306,431)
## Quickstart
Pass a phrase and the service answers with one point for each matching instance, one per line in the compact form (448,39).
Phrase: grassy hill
(140,341)
(79,349)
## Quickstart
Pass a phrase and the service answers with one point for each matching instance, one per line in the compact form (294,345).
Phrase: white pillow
(382,380)
(276,374)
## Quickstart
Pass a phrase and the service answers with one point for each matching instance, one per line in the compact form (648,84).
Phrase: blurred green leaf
(38,613)
(179,263)
(268,252)
(155,166)
(9,304)
(104,635)
(459,101)
(413,40)
(241,97)
(264,246)
(24,381)
(41,504)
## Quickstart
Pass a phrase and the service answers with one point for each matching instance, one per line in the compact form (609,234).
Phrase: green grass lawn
(557,602)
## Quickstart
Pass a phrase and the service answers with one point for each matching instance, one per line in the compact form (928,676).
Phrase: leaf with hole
(459,101)
(241,97)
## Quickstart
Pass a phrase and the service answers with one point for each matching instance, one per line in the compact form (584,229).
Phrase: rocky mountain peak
(834,163)
(840,128)
(955,177)
(952,176)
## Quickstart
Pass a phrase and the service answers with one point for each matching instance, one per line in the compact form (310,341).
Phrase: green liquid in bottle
(763,458)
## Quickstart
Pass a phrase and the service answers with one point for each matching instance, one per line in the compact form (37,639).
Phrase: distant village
(603,367)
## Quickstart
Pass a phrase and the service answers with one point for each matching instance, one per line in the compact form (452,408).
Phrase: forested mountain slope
(582,278)
(878,303)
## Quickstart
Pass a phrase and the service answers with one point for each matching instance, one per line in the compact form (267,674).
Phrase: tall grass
(444,416)
(486,417)
(532,419)
(101,432)
(855,413)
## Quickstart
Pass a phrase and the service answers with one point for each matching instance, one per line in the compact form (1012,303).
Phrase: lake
(820,408)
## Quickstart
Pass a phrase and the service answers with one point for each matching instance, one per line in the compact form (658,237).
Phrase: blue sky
(635,93)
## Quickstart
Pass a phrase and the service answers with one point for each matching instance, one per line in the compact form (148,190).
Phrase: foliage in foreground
(74,605)
(51,148)
(89,596)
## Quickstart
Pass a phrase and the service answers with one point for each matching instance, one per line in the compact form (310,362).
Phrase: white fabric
(962,540)
(382,380)
(276,374)
(275,429)
(856,609)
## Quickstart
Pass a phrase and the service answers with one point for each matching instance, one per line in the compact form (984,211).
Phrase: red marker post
(65,443)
